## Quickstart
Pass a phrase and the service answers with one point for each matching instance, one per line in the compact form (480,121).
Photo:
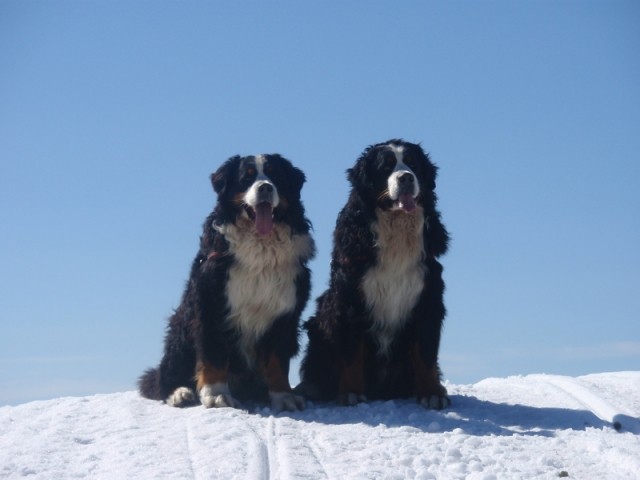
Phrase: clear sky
(113,115)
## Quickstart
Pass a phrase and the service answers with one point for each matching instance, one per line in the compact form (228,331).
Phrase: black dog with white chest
(236,329)
(376,331)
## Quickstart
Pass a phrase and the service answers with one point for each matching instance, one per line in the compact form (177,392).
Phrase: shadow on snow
(469,414)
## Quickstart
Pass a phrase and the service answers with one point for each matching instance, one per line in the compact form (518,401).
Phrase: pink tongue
(407,203)
(264,218)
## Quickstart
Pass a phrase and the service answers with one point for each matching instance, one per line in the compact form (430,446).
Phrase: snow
(535,426)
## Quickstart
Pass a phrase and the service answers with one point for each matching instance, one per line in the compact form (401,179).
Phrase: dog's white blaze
(398,151)
(261,283)
(260,164)
(392,287)
(393,184)
(251,197)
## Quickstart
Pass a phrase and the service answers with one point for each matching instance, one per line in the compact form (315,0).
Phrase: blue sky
(113,115)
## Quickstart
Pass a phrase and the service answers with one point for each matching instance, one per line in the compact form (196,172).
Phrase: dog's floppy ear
(431,183)
(221,177)
(295,176)
(357,174)
(219,181)
(298,179)
(437,236)
(433,172)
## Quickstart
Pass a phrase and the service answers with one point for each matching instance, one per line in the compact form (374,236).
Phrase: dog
(376,330)
(236,329)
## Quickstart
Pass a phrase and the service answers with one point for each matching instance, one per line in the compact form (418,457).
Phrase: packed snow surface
(535,426)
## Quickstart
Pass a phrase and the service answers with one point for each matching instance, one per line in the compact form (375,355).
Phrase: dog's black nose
(265,188)
(405,179)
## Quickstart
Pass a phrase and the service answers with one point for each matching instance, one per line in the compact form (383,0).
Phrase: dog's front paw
(352,399)
(286,401)
(181,397)
(435,401)
(218,395)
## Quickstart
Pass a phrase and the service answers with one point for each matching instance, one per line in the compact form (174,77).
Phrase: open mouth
(406,202)
(262,216)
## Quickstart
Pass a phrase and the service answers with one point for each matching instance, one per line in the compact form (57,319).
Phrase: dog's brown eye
(271,172)
(251,172)
(389,161)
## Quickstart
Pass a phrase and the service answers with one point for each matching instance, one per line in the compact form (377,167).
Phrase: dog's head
(261,187)
(395,175)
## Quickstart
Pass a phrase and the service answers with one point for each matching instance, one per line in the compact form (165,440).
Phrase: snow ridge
(536,426)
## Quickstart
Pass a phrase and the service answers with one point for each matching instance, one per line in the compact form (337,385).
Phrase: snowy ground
(536,426)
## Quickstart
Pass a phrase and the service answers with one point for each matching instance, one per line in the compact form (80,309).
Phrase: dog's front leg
(351,387)
(429,392)
(275,372)
(213,386)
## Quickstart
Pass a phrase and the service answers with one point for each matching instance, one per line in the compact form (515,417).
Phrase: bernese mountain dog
(236,329)
(376,330)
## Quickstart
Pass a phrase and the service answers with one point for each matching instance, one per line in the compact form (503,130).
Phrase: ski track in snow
(591,401)
(534,426)
(272,449)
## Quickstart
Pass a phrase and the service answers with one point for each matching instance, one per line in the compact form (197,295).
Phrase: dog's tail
(149,384)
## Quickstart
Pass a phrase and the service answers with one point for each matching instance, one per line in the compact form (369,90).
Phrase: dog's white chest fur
(261,282)
(393,286)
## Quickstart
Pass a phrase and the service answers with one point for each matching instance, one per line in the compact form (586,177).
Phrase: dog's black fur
(376,330)
(236,329)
